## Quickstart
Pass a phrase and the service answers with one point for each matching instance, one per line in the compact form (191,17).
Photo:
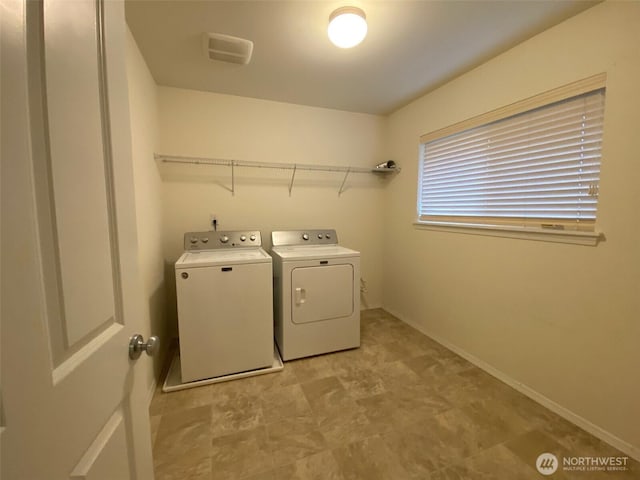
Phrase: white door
(74,405)
(321,293)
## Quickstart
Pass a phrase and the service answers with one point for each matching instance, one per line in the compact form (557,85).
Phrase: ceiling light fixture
(347,27)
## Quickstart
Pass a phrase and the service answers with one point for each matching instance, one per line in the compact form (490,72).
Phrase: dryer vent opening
(226,48)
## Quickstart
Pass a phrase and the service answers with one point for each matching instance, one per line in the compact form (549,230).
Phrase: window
(532,165)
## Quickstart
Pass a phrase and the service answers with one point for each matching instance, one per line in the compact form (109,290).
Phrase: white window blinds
(538,168)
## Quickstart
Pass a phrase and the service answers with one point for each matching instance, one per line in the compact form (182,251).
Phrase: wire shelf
(347,170)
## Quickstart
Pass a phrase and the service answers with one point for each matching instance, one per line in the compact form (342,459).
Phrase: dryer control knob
(252,238)
(224,239)
(193,240)
(327,236)
(320,236)
(204,239)
(243,238)
(305,236)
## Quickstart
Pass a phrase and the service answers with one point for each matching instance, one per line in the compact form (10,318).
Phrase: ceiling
(412,46)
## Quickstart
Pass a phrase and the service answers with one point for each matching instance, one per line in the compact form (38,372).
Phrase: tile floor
(399,407)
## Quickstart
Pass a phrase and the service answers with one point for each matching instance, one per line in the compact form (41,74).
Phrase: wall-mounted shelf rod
(347,170)
(281,166)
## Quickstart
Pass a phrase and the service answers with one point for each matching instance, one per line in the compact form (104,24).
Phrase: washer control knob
(243,238)
(193,240)
(252,238)
(224,239)
(204,239)
(327,236)
(320,236)
(305,236)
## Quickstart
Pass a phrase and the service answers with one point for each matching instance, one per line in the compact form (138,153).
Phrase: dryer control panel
(304,237)
(223,239)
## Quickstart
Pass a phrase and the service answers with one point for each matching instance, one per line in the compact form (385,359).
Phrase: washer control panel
(227,239)
(304,237)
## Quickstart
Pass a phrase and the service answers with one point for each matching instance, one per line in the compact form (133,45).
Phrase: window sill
(524,233)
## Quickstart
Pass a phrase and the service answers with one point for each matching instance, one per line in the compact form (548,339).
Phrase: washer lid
(207,258)
(310,252)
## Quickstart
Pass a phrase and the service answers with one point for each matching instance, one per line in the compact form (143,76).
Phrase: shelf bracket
(293,175)
(344,180)
(233,178)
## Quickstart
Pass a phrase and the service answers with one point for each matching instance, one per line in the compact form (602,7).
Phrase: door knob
(137,345)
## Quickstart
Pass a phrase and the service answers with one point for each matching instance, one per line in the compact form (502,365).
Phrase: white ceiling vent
(226,48)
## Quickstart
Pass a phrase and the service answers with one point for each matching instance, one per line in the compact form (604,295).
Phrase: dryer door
(321,293)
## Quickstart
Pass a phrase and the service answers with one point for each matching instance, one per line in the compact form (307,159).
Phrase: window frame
(527,230)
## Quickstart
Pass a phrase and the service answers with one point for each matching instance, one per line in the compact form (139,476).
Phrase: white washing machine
(316,293)
(225,304)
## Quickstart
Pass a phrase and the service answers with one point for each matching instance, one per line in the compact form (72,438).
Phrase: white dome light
(347,27)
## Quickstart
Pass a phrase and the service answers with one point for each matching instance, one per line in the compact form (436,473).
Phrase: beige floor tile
(373,313)
(576,440)
(241,455)
(439,442)
(496,463)
(347,425)
(456,364)
(277,474)
(292,439)
(579,443)
(403,407)
(529,446)
(399,407)
(426,366)
(326,394)
(188,398)
(507,398)
(182,445)
(235,411)
(361,383)
(248,385)
(194,466)
(182,432)
(487,382)
(285,402)
(381,333)
(396,375)
(495,425)
(257,385)
(369,459)
(455,389)
(400,349)
(361,358)
(283,378)
(320,466)
(416,449)
(312,368)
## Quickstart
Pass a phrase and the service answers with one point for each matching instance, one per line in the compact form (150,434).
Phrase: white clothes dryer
(225,304)
(316,293)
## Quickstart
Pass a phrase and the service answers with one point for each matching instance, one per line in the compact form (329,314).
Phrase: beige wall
(143,113)
(195,123)
(564,320)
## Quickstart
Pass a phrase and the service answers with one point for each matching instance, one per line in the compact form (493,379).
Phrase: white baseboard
(593,429)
